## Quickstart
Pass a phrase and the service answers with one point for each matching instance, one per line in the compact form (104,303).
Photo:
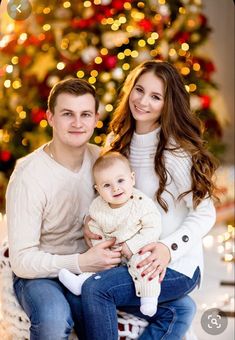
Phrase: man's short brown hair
(74,86)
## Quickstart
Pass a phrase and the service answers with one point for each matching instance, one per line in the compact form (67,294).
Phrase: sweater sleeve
(150,229)
(198,222)
(25,203)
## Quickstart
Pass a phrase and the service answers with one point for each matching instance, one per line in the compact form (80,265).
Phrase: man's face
(74,119)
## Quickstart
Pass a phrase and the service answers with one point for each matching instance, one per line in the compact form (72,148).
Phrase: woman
(154,127)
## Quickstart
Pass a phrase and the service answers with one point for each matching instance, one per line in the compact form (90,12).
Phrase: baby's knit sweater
(137,222)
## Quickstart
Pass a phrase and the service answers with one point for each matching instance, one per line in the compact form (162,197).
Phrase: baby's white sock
(148,305)
(73,282)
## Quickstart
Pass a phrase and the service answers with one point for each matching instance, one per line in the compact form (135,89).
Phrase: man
(47,198)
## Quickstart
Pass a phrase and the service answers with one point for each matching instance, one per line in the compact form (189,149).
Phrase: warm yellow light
(22,115)
(122,20)
(98,139)
(110,21)
(192,87)
(191,23)
(46,10)
(46,27)
(15,60)
(99,124)
(108,107)
(97,2)
(67,4)
(104,51)
(196,67)
(158,17)
(134,54)
(127,6)
(153,53)
(16,84)
(141,43)
(126,66)
(5,137)
(19,108)
(87,4)
(155,35)
(181,53)
(80,74)
(172,52)
(60,66)
(185,47)
(105,76)
(94,73)
(43,123)
(92,80)
(24,142)
(127,52)
(231,228)
(162,2)
(182,10)
(141,4)
(114,27)
(186,88)
(228,257)
(129,29)
(7,83)
(98,60)
(185,70)
(23,36)
(121,56)
(151,41)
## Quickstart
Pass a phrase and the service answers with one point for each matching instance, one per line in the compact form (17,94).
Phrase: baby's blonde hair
(107,159)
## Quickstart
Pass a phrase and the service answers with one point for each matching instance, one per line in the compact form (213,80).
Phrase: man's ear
(133,178)
(49,115)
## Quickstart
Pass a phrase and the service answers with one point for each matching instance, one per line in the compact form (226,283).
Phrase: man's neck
(69,157)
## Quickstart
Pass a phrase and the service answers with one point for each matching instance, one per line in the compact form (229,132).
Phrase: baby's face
(115,183)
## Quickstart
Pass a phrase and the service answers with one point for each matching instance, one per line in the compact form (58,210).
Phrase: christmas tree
(100,41)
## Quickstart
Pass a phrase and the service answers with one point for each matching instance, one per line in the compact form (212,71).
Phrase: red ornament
(37,114)
(206,101)
(5,155)
(110,61)
(146,25)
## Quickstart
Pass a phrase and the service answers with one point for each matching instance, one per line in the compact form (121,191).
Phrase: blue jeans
(47,304)
(115,289)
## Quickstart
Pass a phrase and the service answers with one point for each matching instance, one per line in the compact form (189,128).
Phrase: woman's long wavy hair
(177,123)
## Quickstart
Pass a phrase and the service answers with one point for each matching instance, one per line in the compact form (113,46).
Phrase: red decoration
(37,114)
(5,155)
(206,101)
(182,37)
(146,25)
(110,61)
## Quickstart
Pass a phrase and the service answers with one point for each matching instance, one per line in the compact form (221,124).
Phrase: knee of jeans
(93,286)
(189,309)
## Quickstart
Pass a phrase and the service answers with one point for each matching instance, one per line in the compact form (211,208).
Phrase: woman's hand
(88,235)
(156,262)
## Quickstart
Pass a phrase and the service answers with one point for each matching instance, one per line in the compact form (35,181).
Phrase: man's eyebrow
(67,110)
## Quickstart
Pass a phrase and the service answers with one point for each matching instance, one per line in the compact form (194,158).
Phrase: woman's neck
(142,128)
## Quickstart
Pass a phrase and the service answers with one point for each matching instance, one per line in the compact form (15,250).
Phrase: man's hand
(126,251)
(99,257)
(88,235)
(156,262)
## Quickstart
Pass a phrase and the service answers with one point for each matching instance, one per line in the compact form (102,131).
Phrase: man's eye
(67,114)
(86,115)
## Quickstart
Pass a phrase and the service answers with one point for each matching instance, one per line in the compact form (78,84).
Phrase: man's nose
(76,121)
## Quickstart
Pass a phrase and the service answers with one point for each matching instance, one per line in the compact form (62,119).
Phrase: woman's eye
(138,89)
(156,97)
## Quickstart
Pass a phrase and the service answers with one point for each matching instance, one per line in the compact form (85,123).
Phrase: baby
(123,212)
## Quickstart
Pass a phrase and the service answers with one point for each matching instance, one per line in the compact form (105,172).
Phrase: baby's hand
(126,251)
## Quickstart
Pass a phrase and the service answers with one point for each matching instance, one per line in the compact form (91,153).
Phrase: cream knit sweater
(183,227)
(46,204)
(138,223)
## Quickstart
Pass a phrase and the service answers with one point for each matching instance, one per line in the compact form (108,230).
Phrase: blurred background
(101,41)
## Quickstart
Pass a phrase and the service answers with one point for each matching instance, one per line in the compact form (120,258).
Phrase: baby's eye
(106,185)
(121,180)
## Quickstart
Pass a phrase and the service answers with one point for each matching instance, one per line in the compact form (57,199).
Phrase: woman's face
(146,102)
